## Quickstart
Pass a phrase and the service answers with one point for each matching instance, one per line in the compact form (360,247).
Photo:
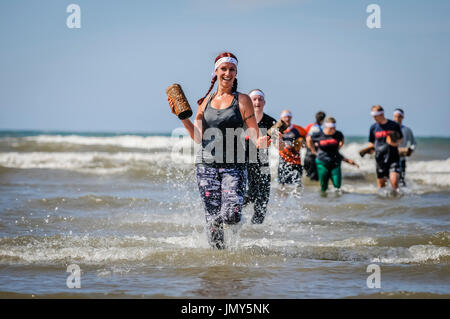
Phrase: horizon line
(53,131)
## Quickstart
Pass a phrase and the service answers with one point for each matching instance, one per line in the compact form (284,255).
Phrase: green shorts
(329,170)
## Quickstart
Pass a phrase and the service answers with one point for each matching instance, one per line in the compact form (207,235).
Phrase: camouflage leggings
(222,191)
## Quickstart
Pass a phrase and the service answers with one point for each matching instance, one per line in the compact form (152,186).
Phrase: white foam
(179,153)
(92,162)
(126,141)
(413,254)
(429,166)
(138,248)
(86,249)
(427,172)
(197,240)
(351,242)
(85,254)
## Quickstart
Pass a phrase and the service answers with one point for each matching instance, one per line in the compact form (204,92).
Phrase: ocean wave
(88,202)
(99,163)
(122,141)
(192,250)
(157,154)
(413,254)
(435,172)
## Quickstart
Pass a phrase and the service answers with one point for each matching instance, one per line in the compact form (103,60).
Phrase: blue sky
(111,74)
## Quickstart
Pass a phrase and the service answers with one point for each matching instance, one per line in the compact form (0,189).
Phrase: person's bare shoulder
(244,98)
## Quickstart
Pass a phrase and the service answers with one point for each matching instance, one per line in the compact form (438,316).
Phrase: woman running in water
(328,159)
(258,180)
(220,164)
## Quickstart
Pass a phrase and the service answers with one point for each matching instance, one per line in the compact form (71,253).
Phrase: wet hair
(214,79)
(395,136)
(330,119)
(320,116)
(378,108)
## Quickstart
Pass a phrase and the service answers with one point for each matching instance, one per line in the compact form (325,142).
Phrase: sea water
(129,214)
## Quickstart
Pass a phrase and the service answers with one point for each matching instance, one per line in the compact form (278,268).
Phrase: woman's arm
(351,162)
(310,144)
(341,143)
(195,129)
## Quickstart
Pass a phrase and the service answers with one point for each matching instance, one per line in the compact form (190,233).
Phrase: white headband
(330,125)
(399,112)
(286,113)
(256,92)
(224,60)
(376,113)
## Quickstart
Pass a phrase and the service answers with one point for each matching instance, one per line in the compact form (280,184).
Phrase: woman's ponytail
(213,81)
(235,84)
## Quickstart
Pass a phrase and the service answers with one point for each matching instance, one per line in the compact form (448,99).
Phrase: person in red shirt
(290,167)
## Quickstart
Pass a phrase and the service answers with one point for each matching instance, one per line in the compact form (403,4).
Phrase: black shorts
(383,168)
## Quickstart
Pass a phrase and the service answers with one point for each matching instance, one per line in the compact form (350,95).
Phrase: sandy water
(128,212)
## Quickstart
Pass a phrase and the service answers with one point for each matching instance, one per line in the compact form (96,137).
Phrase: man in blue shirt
(385,136)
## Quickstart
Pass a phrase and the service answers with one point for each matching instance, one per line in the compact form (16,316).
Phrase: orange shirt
(289,153)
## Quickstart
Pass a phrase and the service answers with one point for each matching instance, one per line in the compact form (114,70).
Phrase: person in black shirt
(258,170)
(325,145)
(407,147)
(385,136)
(309,163)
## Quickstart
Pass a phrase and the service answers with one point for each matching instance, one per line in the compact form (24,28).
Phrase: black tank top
(223,135)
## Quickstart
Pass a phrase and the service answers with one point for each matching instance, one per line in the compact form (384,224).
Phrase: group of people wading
(232,171)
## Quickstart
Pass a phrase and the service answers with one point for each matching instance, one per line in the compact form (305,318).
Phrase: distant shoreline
(30,132)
